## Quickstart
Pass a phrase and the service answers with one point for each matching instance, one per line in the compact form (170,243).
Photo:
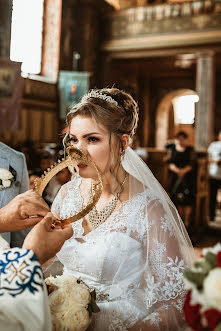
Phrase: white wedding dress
(134,260)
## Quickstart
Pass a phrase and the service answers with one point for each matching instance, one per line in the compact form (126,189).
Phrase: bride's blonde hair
(116,110)
(119,116)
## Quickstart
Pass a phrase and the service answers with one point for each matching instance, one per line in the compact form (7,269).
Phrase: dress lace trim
(143,219)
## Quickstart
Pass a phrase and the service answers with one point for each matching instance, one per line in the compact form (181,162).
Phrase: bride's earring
(122,154)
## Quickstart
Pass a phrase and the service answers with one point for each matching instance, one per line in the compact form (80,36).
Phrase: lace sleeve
(68,201)
(162,284)
(57,203)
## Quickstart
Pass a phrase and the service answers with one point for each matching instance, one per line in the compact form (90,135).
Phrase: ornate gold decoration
(74,157)
(97,218)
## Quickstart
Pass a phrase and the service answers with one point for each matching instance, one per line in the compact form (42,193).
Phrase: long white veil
(138,169)
(167,251)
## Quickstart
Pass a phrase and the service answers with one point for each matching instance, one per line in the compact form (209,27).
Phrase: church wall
(149,81)
(217,103)
(163,25)
(81,27)
(81,32)
(39,121)
(151,87)
(39,105)
(184,31)
(5,27)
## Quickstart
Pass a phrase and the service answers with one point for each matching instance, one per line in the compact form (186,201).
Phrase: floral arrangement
(6,178)
(202,306)
(71,303)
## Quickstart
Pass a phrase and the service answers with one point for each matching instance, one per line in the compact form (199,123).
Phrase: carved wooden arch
(163,116)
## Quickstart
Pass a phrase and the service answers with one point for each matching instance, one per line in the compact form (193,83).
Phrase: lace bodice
(132,260)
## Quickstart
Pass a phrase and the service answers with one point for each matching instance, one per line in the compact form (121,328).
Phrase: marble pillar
(205,107)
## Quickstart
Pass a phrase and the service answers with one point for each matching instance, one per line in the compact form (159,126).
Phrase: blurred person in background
(31,155)
(214,153)
(46,161)
(182,159)
(61,178)
(33,174)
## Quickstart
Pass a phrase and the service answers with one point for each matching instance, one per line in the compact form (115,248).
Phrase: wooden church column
(203,132)
(5,28)
(204,108)
(144,112)
(104,75)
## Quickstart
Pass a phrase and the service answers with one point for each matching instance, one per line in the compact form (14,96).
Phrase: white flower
(212,288)
(5,178)
(68,300)
(215,249)
(6,183)
(81,294)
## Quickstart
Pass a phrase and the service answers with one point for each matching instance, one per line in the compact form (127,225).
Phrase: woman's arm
(170,160)
(173,168)
(183,171)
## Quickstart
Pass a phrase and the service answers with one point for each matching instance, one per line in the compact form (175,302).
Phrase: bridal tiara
(95,94)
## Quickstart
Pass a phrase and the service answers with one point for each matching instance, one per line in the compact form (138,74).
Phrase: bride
(132,247)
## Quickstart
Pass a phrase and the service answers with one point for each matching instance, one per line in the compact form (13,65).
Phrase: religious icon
(73,89)
(72,86)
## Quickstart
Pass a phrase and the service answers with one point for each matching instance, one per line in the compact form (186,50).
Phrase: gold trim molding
(148,42)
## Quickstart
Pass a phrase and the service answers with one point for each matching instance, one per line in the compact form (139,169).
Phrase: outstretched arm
(25,210)
(23,295)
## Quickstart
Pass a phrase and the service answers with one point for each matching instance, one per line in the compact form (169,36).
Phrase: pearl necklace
(97,218)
